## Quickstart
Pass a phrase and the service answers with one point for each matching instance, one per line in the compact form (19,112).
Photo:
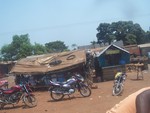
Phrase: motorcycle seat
(7,91)
(58,83)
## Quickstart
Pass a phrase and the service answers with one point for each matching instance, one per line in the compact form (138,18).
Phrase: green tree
(39,49)
(147,37)
(130,39)
(110,38)
(93,43)
(139,33)
(74,46)
(103,30)
(7,52)
(56,46)
(120,30)
(20,47)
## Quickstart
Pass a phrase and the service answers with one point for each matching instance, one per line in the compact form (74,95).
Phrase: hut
(57,66)
(112,59)
(145,48)
(5,68)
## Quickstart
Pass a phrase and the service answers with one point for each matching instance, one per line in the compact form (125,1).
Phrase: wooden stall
(58,67)
(111,60)
(110,71)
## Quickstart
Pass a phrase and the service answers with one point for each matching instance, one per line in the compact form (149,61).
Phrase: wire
(67,25)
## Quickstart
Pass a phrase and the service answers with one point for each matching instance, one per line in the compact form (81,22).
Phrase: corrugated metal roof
(110,46)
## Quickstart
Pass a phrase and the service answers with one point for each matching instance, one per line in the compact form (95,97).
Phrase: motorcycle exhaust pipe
(1,101)
(5,102)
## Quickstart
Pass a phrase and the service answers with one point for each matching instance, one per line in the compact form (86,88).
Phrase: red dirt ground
(100,101)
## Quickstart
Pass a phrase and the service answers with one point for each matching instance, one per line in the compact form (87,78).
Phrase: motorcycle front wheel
(85,91)
(117,90)
(30,101)
(56,94)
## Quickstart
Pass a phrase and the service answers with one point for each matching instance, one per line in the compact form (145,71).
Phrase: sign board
(110,51)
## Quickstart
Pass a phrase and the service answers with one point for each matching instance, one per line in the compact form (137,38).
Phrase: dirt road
(99,102)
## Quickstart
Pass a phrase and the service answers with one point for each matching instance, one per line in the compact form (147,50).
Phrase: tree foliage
(126,31)
(20,47)
(74,46)
(56,46)
(39,49)
(147,36)
(93,43)
(7,52)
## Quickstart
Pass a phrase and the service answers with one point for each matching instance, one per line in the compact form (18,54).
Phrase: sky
(70,21)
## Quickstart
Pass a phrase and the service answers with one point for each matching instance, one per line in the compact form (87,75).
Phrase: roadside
(99,102)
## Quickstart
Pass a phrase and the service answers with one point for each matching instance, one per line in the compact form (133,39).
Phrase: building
(112,59)
(144,48)
(133,49)
(5,68)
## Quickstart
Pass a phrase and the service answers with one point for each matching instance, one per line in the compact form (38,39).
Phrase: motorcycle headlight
(124,78)
(79,77)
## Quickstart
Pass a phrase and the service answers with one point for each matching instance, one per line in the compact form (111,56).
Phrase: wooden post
(139,71)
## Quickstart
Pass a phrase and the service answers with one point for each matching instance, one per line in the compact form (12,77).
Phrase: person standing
(98,69)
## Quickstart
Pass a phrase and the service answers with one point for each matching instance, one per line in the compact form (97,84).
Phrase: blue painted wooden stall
(111,59)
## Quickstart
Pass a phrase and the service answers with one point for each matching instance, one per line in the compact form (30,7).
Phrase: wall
(144,51)
(109,72)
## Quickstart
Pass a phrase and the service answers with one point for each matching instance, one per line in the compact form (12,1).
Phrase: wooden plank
(109,72)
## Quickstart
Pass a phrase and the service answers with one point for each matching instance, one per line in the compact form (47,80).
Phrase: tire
(71,57)
(117,90)
(85,91)
(88,82)
(56,95)
(30,101)
(1,103)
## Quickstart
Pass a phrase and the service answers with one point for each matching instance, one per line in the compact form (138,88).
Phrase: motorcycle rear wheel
(30,101)
(56,96)
(117,90)
(85,91)
(1,103)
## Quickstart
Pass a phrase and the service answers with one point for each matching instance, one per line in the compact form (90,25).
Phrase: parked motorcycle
(118,83)
(59,90)
(3,84)
(16,93)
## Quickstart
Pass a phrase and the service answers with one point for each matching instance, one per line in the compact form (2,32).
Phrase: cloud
(129,9)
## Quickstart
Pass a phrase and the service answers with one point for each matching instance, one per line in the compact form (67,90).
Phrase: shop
(112,59)
(38,70)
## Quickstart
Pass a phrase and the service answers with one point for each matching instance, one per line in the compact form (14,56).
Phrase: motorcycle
(59,90)
(14,94)
(118,83)
(4,84)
